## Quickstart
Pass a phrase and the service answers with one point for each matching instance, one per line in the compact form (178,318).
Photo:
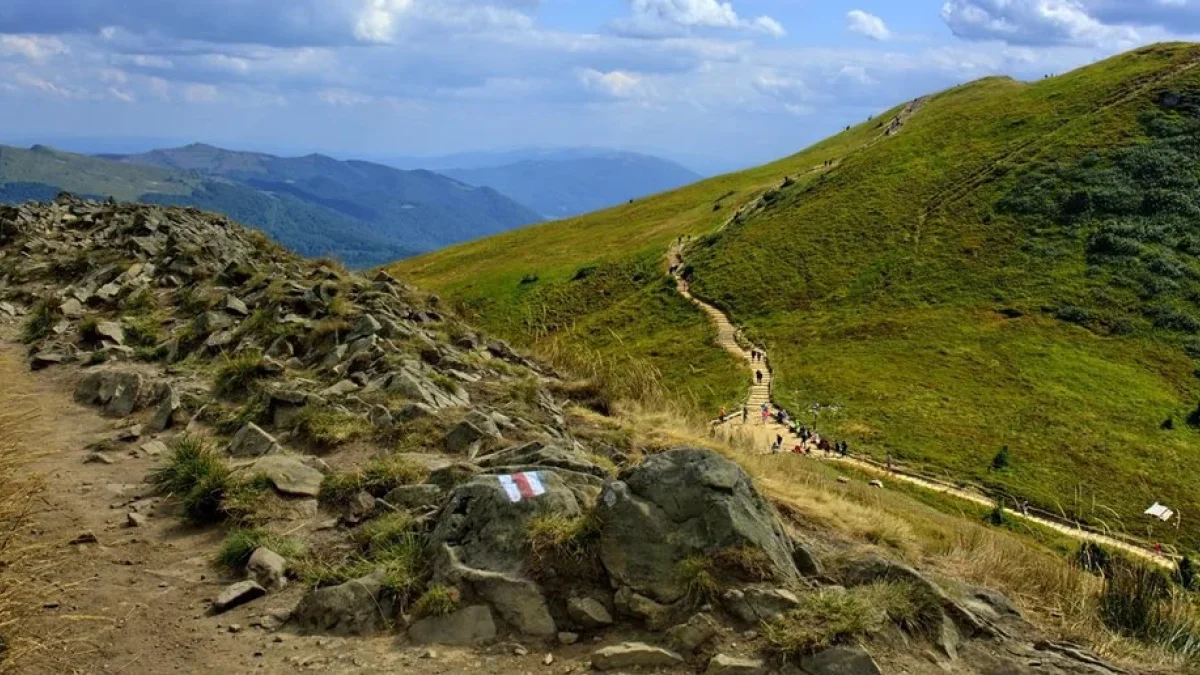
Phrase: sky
(718,83)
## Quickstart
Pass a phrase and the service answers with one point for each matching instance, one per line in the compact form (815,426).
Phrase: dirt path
(137,601)
(763,434)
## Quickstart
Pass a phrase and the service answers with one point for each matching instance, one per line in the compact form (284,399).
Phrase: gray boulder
(118,393)
(267,568)
(252,441)
(759,605)
(468,626)
(872,569)
(462,436)
(289,475)
(169,411)
(688,637)
(356,607)
(681,504)
(723,664)
(237,594)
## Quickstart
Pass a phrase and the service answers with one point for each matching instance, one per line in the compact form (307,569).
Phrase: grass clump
(198,476)
(1143,603)
(329,428)
(379,477)
(143,331)
(823,619)
(564,543)
(241,543)
(237,376)
(437,600)
(698,577)
(41,321)
(388,547)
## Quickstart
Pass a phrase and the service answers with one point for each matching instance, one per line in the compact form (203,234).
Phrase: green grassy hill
(1018,266)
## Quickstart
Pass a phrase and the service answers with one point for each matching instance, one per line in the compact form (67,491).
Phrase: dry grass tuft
(18,559)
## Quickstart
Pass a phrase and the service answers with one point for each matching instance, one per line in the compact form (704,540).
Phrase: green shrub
(996,516)
(698,578)
(386,531)
(437,601)
(1002,460)
(143,331)
(237,376)
(1185,573)
(198,476)
(140,303)
(241,543)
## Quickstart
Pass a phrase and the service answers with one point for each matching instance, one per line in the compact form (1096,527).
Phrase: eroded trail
(763,433)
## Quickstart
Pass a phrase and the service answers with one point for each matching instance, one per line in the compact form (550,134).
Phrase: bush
(437,601)
(241,543)
(1002,459)
(1132,599)
(1185,573)
(382,533)
(237,376)
(198,476)
(699,579)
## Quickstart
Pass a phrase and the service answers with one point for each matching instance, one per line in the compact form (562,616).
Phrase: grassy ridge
(903,285)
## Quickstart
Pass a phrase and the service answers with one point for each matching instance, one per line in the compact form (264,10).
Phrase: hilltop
(1003,264)
(256,460)
(361,213)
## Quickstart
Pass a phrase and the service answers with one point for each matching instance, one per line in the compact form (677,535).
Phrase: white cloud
(201,93)
(36,48)
(653,18)
(1034,22)
(617,84)
(868,25)
(344,97)
(122,95)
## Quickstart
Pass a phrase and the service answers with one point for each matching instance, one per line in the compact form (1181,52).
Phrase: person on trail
(775,448)
(845,449)
(766,414)
(722,416)
(798,450)
(758,376)
(745,414)
(804,435)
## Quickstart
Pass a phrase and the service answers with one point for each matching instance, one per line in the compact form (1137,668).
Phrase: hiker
(798,450)
(779,441)
(845,449)
(745,414)
(766,414)
(775,448)
(804,435)
(889,462)
(758,376)
(722,416)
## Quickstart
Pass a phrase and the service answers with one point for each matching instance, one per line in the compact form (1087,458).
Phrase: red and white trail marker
(525,485)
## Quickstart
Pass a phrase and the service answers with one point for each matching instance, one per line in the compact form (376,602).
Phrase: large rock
(462,436)
(252,441)
(118,392)
(678,505)
(169,411)
(289,475)
(480,542)
(468,626)
(840,661)
(634,655)
(415,497)
(356,607)
(688,637)
(873,569)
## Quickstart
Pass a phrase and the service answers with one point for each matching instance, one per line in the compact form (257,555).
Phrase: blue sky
(727,82)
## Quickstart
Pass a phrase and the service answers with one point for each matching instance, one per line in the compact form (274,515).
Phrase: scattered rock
(289,475)
(237,594)
(840,661)
(568,638)
(757,605)
(354,608)
(252,441)
(72,309)
(84,538)
(688,637)
(722,664)
(415,497)
(634,655)
(98,458)
(656,616)
(118,392)
(468,626)
(268,568)
(234,305)
(112,331)
(133,519)
(588,613)
(154,448)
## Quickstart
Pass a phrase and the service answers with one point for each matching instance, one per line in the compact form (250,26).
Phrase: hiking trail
(762,434)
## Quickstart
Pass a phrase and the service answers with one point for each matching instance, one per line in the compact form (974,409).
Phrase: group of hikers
(808,440)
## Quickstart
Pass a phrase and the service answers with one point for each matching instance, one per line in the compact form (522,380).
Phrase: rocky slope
(407,474)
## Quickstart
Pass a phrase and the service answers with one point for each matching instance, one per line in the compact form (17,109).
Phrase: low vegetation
(237,376)
(437,601)
(241,543)
(329,428)
(564,544)
(379,477)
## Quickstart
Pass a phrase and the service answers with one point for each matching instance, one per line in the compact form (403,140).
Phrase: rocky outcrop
(681,504)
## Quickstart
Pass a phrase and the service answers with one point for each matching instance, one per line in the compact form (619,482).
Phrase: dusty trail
(137,600)
(763,434)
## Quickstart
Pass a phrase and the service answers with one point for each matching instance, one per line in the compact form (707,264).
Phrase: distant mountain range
(362,213)
(569,183)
